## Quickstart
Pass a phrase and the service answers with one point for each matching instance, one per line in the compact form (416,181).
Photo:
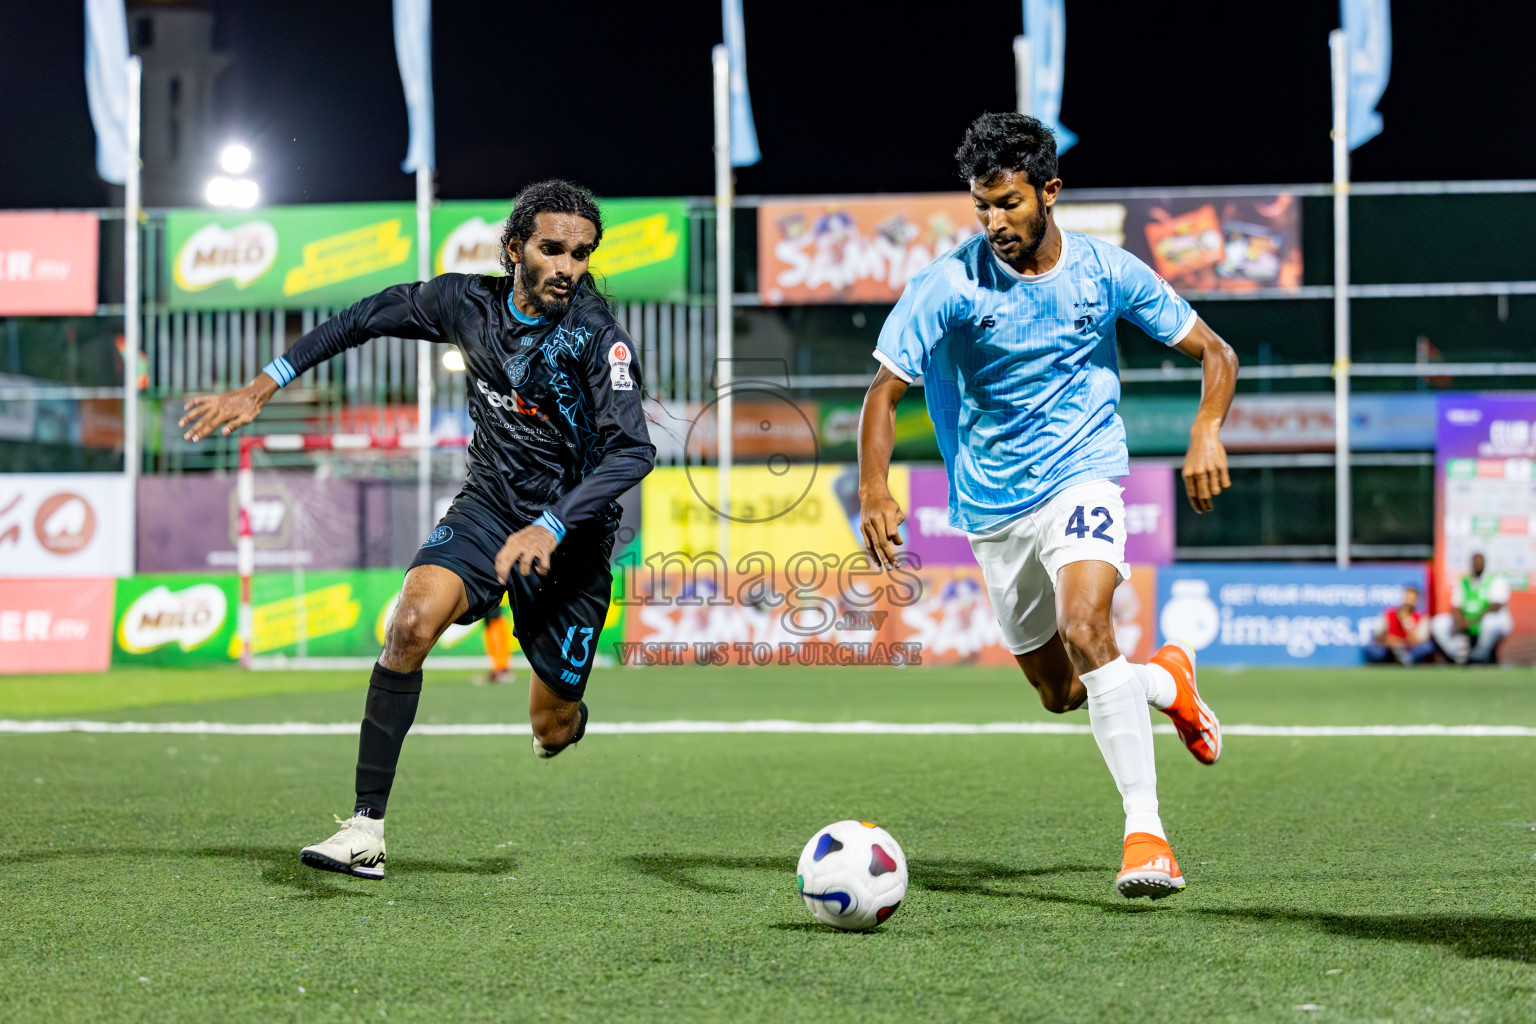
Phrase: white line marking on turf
(772,725)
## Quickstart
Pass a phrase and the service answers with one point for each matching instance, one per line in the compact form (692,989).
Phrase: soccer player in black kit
(559,435)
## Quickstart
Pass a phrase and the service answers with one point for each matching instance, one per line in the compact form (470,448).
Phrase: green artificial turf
(651,878)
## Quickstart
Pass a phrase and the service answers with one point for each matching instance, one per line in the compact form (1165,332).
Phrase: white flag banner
(1045,25)
(1368,25)
(106,85)
(413,49)
(744,151)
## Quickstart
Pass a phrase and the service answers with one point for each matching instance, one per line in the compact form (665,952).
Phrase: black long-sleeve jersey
(556,403)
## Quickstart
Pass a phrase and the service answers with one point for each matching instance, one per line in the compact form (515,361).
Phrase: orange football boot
(1196,723)
(1148,868)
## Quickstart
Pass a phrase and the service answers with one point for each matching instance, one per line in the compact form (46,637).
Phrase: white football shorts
(1020,562)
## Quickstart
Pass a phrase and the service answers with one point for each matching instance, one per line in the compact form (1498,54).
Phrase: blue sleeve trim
(553,525)
(280,370)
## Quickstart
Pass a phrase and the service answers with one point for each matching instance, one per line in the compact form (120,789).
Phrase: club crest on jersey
(618,353)
(517,368)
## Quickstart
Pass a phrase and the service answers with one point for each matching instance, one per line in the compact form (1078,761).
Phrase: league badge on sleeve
(618,367)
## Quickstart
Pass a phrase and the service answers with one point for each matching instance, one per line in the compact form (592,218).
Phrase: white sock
(1122,725)
(1158,684)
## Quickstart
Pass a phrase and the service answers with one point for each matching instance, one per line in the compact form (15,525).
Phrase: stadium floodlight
(453,361)
(221,191)
(235,158)
(245,193)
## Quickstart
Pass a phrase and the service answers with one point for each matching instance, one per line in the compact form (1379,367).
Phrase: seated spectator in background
(1479,617)
(1402,634)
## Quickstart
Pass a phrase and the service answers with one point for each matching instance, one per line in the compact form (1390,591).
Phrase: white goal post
(245,546)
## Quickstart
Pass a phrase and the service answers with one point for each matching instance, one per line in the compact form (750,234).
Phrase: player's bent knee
(1088,640)
(1059,702)
(554,729)
(411,632)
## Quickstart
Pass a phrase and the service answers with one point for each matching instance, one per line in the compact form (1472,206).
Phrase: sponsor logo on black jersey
(509,403)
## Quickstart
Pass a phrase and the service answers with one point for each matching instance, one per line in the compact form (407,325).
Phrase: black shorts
(556,618)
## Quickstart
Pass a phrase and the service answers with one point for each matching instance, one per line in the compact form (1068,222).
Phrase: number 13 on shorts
(577,656)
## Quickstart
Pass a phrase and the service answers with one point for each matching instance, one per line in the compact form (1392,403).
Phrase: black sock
(391,708)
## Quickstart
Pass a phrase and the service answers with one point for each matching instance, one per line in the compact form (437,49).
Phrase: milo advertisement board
(190,619)
(186,619)
(288,256)
(643,256)
(175,619)
(295,257)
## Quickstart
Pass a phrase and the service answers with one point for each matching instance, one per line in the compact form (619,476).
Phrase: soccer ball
(852,875)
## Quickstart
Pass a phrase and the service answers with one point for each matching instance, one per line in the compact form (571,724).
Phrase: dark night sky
(849,96)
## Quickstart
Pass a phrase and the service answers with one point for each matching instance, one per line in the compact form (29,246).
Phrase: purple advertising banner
(300,521)
(929,535)
(1149,496)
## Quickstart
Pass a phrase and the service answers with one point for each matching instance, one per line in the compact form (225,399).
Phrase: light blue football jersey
(1020,371)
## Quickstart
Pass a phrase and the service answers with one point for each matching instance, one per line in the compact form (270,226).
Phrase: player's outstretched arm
(879,513)
(400,311)
(226,412)
(1205,466)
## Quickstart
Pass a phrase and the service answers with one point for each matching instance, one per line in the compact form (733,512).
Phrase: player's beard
(547,306)
(1029,247)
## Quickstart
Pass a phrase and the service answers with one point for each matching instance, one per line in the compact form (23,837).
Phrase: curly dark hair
(552,196)
(997,143)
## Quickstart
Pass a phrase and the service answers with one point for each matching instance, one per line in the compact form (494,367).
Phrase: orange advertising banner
(56,625)
(48,264)
(864,249)
(952,621)
(855,248)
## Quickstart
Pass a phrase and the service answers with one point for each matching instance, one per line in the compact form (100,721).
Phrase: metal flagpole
(724,345)
(424,356)
(131,276)
(1337,44)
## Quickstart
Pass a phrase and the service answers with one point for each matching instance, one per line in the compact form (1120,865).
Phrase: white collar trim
(1061,260)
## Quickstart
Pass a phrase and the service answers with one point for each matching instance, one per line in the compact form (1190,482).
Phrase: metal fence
(1446,298)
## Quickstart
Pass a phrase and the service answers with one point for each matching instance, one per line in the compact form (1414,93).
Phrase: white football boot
(357,848)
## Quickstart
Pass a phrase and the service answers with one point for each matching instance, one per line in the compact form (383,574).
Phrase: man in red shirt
(1402,634)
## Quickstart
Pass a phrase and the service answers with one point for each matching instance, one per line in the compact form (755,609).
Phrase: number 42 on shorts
(1077,524)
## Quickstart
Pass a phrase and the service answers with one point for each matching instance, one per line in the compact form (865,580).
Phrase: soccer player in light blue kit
(1013,333)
